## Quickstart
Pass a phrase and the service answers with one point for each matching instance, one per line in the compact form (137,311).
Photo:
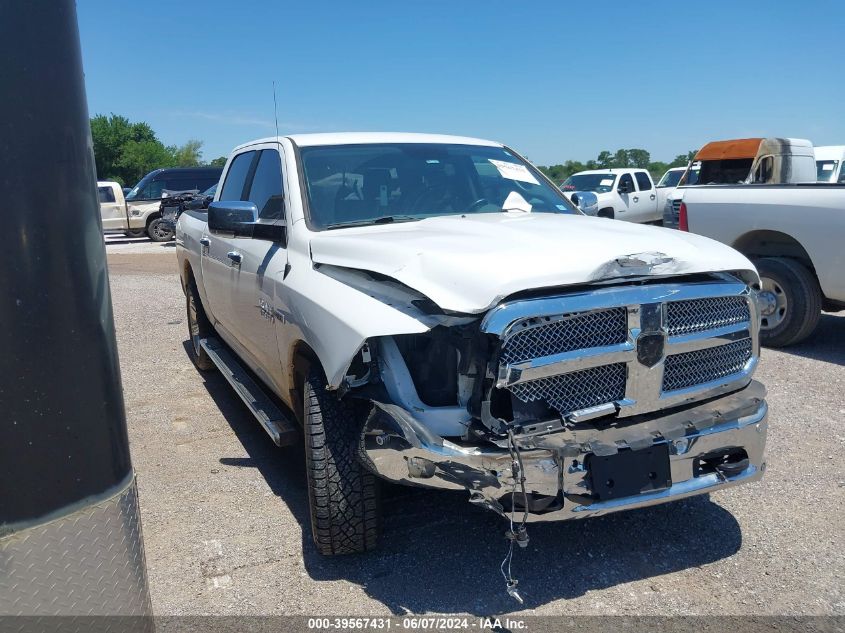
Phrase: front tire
(607,212)
(342,494)
(199,327)
(159,231)
(790,301)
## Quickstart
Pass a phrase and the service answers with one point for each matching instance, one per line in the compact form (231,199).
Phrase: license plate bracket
(629,472)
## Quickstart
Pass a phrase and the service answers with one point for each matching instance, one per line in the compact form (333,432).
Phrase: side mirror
(232,217)
(586,201)
(623,188)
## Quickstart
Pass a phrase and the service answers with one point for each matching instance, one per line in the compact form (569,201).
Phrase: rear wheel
(790,301)
(342,493)
(159,231)
(199,327)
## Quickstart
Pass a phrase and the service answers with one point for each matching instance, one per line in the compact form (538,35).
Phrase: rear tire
(199,327)
(342,493)
(159,231)
(790,301)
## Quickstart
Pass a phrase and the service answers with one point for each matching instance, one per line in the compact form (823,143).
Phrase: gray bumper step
(283,431)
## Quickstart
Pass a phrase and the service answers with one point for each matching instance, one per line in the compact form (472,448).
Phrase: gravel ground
(225,512)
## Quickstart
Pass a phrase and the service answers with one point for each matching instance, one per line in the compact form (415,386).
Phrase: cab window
(105,194)
(643,181)
(627,182)
(233,186)
(266,188)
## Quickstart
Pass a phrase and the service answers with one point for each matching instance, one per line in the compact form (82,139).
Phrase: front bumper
(400,449)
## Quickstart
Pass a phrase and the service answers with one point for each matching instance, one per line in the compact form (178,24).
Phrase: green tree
(639,158)
(220,161)
(126,151)
(188,155)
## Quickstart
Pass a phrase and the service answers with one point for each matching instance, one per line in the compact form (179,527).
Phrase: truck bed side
(791,220)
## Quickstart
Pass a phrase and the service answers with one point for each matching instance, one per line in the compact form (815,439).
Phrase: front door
(112,209)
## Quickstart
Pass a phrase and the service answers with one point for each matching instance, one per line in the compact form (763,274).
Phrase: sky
(555,80)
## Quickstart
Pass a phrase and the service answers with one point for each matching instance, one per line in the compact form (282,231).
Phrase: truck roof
(830,152)
(752,147)
(360,138)
(611,170)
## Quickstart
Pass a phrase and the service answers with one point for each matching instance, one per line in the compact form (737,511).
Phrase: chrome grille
(576,390)
(701,366)
(545,336)
(698,315)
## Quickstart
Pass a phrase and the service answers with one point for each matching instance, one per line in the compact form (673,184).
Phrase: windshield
(372,183)
(690,177)
(671,178)
(826,170)
(599,183)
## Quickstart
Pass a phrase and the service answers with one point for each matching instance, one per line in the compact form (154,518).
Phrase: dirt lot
(225,512)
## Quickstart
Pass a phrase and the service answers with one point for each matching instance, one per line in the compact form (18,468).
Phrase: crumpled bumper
(558,486)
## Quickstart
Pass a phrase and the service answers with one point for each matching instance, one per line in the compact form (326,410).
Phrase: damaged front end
(576,404)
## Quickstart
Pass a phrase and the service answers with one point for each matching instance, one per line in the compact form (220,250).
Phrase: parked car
(432,311)
(625,194)
(744,161)
(793,233)
(174,203)
(829,161)
(144,201)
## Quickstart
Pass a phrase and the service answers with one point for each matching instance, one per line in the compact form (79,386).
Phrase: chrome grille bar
(555,348)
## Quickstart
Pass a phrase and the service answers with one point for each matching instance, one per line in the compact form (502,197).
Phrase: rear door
(259,291)
(643,206)
(112,208)
(219,272)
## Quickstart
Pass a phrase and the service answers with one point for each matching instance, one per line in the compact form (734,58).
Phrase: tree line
(125,152)
(635,158)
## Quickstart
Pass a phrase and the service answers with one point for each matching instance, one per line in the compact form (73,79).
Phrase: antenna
(275,109)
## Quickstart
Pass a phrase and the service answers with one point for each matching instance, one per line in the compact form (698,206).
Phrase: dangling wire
(520,535)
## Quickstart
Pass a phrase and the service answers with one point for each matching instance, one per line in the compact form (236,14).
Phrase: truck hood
(469,263)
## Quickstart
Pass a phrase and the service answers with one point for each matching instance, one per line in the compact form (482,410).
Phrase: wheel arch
(767,243)
(302,359)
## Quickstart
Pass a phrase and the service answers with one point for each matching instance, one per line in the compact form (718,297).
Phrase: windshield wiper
(385,219)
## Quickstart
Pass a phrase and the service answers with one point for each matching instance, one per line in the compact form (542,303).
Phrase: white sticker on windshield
(606,182)
(514,171)
(515,202)
(827,166)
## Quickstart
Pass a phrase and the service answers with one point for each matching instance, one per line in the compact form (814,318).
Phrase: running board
(275,422)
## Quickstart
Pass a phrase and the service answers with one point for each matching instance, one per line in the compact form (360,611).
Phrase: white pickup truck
(131,220)
(793,233)
(624,194)
(432,311)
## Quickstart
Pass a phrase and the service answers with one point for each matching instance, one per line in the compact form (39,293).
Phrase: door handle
(205,241)
(636,199)
(235,257)
(652,197)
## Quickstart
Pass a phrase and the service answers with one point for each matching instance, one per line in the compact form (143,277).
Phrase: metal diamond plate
(546,336)
(89,563)
(576,390)
(696,368)
(698,315)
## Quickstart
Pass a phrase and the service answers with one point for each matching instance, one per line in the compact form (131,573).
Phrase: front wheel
(159,231)
(790,301)
(342,493)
